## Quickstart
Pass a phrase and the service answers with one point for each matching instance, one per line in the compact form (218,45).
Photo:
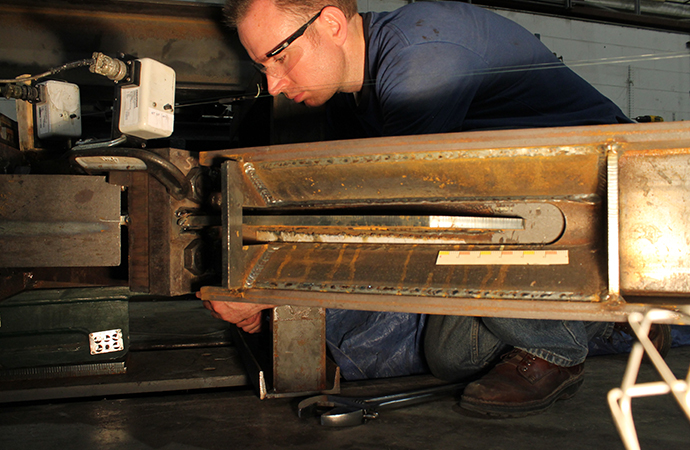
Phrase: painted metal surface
(52,328)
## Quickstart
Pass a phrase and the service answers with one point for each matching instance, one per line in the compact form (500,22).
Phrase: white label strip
(508,257)
(130,106)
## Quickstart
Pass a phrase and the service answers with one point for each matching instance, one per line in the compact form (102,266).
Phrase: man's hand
(245,315)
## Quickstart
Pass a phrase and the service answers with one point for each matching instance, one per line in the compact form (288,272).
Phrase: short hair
(236,10)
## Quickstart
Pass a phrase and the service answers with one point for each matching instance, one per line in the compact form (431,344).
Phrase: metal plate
(412,270)
(59,221)
(655,221)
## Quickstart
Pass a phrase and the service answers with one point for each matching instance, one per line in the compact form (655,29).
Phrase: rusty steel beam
(476,140)
(455,174)
(609,311)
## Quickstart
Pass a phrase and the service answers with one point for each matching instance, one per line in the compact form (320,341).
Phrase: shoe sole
(503,410)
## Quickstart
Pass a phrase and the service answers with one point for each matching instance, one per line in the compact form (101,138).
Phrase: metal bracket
(613,222)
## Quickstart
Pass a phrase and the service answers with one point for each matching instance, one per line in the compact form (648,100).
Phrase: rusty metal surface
(292,353)
(654,220)
(59,221)
(189,37)
(477,140)
(427,175)
(412,270)
(138,231)
(382,171)
(15,280)
(446,174)
(232,229)
(615,311)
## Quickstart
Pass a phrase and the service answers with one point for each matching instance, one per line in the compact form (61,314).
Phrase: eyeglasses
(283,65)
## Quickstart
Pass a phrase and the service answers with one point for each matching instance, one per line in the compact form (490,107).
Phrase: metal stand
(620,399)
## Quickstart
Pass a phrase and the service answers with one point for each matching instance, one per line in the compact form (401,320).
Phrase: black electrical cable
(53,71)
(225,100)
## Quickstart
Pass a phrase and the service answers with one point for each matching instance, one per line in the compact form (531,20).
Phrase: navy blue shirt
(435,67)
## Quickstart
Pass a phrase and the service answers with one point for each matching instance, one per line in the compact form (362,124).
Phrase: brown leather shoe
(520,385)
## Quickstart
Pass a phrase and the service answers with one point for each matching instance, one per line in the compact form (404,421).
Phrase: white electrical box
(146,108)
(58,112)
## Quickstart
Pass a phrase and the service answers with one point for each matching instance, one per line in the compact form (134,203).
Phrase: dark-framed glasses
(283,65)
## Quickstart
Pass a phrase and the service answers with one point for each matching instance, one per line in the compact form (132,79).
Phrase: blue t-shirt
(436,67)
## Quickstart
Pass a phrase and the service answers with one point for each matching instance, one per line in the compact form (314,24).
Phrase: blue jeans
(458,347)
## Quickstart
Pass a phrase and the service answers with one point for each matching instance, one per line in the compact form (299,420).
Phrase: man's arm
(246,316)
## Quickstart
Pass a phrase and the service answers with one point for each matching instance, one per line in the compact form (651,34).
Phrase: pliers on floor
(337,411)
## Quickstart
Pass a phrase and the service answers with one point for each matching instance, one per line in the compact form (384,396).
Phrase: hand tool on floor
(337,411)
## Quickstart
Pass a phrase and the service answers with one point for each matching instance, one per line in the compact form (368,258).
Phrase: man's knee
(447,367)
(457,347)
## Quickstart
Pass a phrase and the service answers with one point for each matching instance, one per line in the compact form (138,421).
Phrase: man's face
(313,75)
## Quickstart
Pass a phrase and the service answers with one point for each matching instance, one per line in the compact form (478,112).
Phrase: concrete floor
(234,418)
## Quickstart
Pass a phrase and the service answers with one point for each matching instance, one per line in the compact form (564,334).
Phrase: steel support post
(299,349)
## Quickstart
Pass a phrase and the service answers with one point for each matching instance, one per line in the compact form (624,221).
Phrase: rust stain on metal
(429,279)
(353,265)
(309,262)
(339,260)
(488,276)
(284,263)
(406,264)
(502,275)
(494,307)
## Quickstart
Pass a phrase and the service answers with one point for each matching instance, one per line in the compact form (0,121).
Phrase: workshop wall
(622,62)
